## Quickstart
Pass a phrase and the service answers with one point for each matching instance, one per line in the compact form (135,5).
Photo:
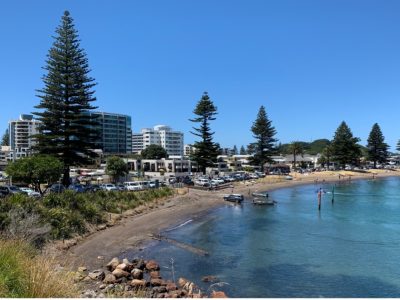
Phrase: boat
(263,202)
(234,198)
(263,195)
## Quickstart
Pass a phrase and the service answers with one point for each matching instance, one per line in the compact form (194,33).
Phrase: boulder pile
(136,278)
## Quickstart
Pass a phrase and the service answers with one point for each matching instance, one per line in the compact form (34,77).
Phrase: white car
(110,187)
(133,186)
(30,192)
(202,182)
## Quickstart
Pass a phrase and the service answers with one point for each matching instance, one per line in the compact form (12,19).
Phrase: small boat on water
(257,194)
(234,198)
(257,201)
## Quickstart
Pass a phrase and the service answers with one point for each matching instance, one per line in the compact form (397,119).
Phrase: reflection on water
(348,249)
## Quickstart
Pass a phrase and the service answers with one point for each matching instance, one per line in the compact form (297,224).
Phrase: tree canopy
(154,152)
(206,150)
(264,133)
(67,130)
(36,170)
(377,148)
(5,140)
(296,148)
(116,167)
(344,146)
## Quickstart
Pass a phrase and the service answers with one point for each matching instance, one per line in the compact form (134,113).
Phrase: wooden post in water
(319,198)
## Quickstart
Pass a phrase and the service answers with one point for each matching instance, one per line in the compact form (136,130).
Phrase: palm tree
(296,148)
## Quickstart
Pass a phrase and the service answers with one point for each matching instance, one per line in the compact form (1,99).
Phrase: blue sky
(312,64)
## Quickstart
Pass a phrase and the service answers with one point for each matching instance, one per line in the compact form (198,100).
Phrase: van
(133,185)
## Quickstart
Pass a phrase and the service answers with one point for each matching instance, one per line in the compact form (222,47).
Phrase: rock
(182,281)
(190,288)
(156,282)
(140,264)
(126,261)
(96,275)
(152,265)
(137,274)
(210,278)
(110,279)
(89,294)
(171,287)
(79,277)
(87,279)
(118,273)
(218,294)
(129,266)
(122,267)
(155,274)
(137,283)
(102,227)
(173,295)
(82,269)
(101,295)
(100,257)
(103,286)
(113,264)
(159,289)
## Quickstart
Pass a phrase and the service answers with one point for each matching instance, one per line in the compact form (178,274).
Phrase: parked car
(56,188)
(30,192)
(78,188)
(187,181)
(110,187)
(133,185)
(7,190)
(92,188)
(121,187)
(202,182)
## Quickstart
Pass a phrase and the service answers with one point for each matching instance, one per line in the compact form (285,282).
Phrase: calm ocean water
(348,249)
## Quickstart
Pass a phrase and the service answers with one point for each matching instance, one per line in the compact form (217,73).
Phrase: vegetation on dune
(60,216)
(24,274)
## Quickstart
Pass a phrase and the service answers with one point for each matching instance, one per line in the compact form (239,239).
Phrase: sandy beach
(137,230)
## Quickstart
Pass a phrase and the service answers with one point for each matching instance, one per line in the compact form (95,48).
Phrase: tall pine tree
(345,149)
(206,150)
(5,140)
(65,100)
(235,150)
(377,148)
(264,133)
(242,151)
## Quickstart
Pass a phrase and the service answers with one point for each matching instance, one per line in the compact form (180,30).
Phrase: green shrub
(69,213)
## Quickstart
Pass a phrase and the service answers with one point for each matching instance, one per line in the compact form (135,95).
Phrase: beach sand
(137,230)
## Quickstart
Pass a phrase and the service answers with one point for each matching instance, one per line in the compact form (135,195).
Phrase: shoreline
(136,232)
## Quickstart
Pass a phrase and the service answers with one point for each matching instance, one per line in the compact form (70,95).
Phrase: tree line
(68,132)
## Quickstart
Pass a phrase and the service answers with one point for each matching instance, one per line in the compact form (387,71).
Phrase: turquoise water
(351,248)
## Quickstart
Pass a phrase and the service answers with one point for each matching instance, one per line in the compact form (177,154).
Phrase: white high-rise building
(162,135)
(21,131)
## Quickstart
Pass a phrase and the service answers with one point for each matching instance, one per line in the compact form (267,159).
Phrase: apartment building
(115,132)
(21,132)
(162,135)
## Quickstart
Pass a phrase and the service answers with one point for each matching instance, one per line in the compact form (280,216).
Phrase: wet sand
(136,231)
